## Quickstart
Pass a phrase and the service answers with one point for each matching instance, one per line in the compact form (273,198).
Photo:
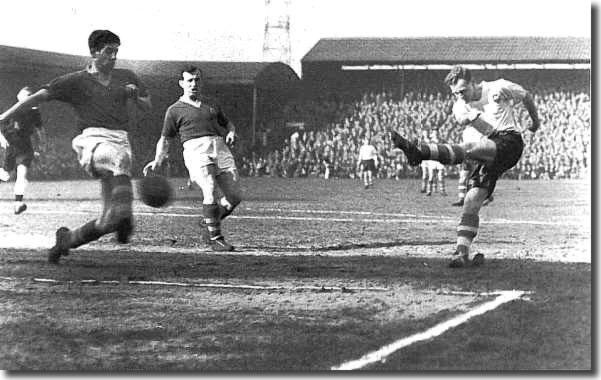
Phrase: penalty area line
(381,354)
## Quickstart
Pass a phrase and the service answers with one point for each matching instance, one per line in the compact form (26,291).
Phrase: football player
(201,126)
(99,95)
(483,105)
(16,137)
(367,162)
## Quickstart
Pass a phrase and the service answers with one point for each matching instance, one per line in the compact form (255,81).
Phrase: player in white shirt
(486,106)
(367,162)
(433,172)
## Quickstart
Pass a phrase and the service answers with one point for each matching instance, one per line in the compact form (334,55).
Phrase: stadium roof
(451,50)
(264,74)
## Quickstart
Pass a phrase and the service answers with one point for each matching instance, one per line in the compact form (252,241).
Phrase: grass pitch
(324,273)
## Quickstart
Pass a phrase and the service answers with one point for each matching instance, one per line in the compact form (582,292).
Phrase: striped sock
(467,231)
(212,220)
(121,191)
(444,153)
(85,234)
(106,188)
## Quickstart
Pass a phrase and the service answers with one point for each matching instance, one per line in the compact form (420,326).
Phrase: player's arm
(168,132)
(532,111)
(29,102)
(162,150)
(509,90)
(468,116)
(224,121)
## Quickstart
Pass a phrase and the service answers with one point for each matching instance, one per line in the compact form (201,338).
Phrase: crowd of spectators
(328,146)
(560,149)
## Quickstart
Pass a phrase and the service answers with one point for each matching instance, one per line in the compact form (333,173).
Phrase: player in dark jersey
(17,140)
(100,95)
(485,106)
(204,131)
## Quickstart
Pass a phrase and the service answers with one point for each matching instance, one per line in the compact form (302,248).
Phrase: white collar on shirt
(196,104)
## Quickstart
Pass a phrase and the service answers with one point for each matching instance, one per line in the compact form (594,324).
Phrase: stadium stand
(350,87)
(368,85)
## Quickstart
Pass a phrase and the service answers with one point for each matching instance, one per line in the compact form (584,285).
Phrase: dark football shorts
(19,152)
(509,150)
(368,165)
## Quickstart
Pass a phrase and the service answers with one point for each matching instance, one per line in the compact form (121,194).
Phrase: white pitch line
(197,285)
(384,352)
(324,219)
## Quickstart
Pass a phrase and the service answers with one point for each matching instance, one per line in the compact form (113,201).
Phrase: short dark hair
(192,69)
(456,73)
(100,38)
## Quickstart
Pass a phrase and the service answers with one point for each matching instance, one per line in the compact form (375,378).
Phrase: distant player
(99,94)
(16,138)
(367,162)
(483,105)
(201,124)
(433,172)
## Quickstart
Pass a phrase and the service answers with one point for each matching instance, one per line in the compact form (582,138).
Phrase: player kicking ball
(482,105)
(16,138)
(200,124)
(99,94)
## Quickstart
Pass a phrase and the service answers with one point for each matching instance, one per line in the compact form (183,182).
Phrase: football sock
(467,231)
(18,197)
(444,153)
(106,190)
(121,192)
(85,234)
(212,220)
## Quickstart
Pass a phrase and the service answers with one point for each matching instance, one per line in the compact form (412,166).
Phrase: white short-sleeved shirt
(496,105)
(367,152)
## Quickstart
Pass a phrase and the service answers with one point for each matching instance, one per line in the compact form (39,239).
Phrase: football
(155,191)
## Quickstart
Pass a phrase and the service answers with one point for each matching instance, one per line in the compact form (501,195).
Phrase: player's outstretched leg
(446,154)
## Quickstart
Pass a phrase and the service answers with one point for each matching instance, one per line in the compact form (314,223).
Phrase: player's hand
(151,166)
(131,90)
(36,155)
(230,138)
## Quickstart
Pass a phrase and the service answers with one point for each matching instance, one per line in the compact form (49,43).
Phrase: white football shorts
(204,151)
(101,149)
